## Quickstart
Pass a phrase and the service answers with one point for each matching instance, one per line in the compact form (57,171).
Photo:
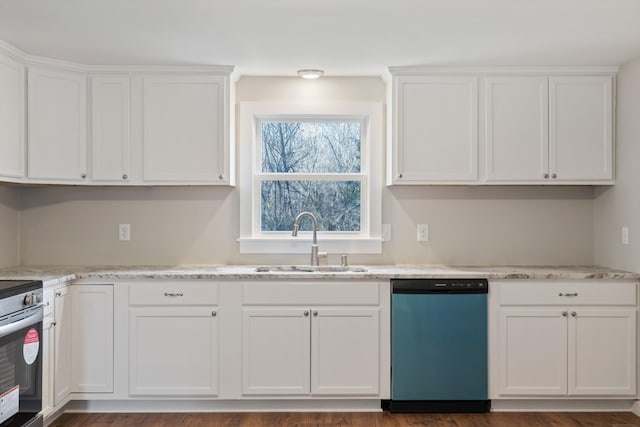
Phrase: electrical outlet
(124,232)
(386,232)
(625,235)
(423,232)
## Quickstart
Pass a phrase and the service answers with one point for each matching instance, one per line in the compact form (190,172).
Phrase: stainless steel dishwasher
(439,345)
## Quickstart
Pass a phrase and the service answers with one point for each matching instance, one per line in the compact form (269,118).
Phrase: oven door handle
(22,323)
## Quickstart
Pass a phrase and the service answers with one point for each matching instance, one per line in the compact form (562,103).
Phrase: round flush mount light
(310,74)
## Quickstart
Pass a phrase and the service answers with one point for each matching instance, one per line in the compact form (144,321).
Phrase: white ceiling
(343,37)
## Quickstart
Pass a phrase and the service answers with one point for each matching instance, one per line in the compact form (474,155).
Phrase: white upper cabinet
(57,106)
(435,130)
(110,128)
(516,128)
(184,129)
(539,126)
(12,118)
(580,128)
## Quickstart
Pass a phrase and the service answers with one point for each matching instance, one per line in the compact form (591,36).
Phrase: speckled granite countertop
(57,274)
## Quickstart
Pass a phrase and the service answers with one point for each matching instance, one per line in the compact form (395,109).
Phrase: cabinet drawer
(568,292)
(311,293)
(173,293)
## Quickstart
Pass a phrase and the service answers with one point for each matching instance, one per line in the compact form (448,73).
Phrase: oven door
(21,370)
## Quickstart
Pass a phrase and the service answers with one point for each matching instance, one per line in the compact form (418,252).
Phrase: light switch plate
(423,233)
(124,231)
(625,235)
(386,232)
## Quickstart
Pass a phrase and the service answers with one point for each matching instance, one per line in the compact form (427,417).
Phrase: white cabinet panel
(436,129)
(345,351)
(184,131)
(580,127)
(533,352)
(275,351)
(48,365)
(62,346)
(57,125)
(173,351)
(516,128)
(92,338)
(110,128)
(12,118)
(602,352)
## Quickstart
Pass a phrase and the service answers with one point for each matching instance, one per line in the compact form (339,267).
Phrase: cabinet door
(275,351)
(580,128)
(62,346)
(184,129)
(532,352)
(436,130)
(602,352)
(110,128)
(517,128)
(173,351)
(57,125)
(345,351)
(12,115)
(92,338)
(48,372)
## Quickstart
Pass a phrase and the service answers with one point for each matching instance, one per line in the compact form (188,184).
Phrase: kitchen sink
(310,269)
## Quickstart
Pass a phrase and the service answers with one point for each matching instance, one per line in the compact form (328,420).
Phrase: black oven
(20,353)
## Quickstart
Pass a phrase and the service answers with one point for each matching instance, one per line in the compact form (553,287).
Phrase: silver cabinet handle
(220,176)
(83,176)
(315,313)
(554,176)
(399,175)
(574,314)
(568,294)
(58,293)
(306,313)
(47,304)
(173,294)
(564,314)
(546,176)
(214,314)
(125,176)
(54,323)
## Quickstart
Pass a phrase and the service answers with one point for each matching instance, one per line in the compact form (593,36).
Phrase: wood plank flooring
(378,419)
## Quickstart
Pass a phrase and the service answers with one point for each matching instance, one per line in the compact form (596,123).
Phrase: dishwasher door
(439,345)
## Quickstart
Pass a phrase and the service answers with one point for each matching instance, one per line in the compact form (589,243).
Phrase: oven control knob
(37,298)
(28,299)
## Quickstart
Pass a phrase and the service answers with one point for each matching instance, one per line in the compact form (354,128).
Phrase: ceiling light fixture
(310,74)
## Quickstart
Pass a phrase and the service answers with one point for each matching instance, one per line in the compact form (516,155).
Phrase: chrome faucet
(314,244)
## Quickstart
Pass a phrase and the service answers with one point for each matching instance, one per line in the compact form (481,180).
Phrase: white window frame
(368,240)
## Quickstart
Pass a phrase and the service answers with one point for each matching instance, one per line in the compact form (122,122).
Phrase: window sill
(293,245)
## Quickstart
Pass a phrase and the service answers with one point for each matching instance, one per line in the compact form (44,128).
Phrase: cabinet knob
(546,176)
(58,293)
(315,313)
(564,314)
(54,323)
(554,176)
(83,176)
(399,175)
(306,313)
(220,176)
(125,176)
(574,314)
(214,314)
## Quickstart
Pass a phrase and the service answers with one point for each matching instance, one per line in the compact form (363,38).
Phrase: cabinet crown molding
(502,70)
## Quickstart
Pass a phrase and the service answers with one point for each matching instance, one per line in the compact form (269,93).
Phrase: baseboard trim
(324,405)
(565,405)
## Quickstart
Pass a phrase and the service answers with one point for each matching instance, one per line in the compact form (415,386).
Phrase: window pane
(336,204)
(311,147)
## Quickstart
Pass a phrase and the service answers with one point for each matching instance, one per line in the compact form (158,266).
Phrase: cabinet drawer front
(173,293)
(568,292)
(310,293)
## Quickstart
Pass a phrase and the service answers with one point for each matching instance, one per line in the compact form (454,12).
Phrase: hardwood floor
(379,419)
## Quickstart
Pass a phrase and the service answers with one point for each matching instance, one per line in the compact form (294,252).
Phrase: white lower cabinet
(48,350)
(61,346)
(311,350)
(92,338)
(566,338)
(173,339)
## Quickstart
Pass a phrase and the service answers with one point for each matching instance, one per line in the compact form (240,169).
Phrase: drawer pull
(173,294)
(214,314)
(568,294)
(574,314)
(564,314)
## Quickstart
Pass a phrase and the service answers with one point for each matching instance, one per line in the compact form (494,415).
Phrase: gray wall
(619,205)
(468,225)
(9,226)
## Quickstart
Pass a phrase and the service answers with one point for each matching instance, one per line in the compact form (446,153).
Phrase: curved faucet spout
(296,225)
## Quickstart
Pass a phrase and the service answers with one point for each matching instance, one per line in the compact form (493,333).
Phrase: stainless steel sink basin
(310,269)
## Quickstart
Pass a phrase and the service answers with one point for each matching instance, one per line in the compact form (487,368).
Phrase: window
(316,158)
